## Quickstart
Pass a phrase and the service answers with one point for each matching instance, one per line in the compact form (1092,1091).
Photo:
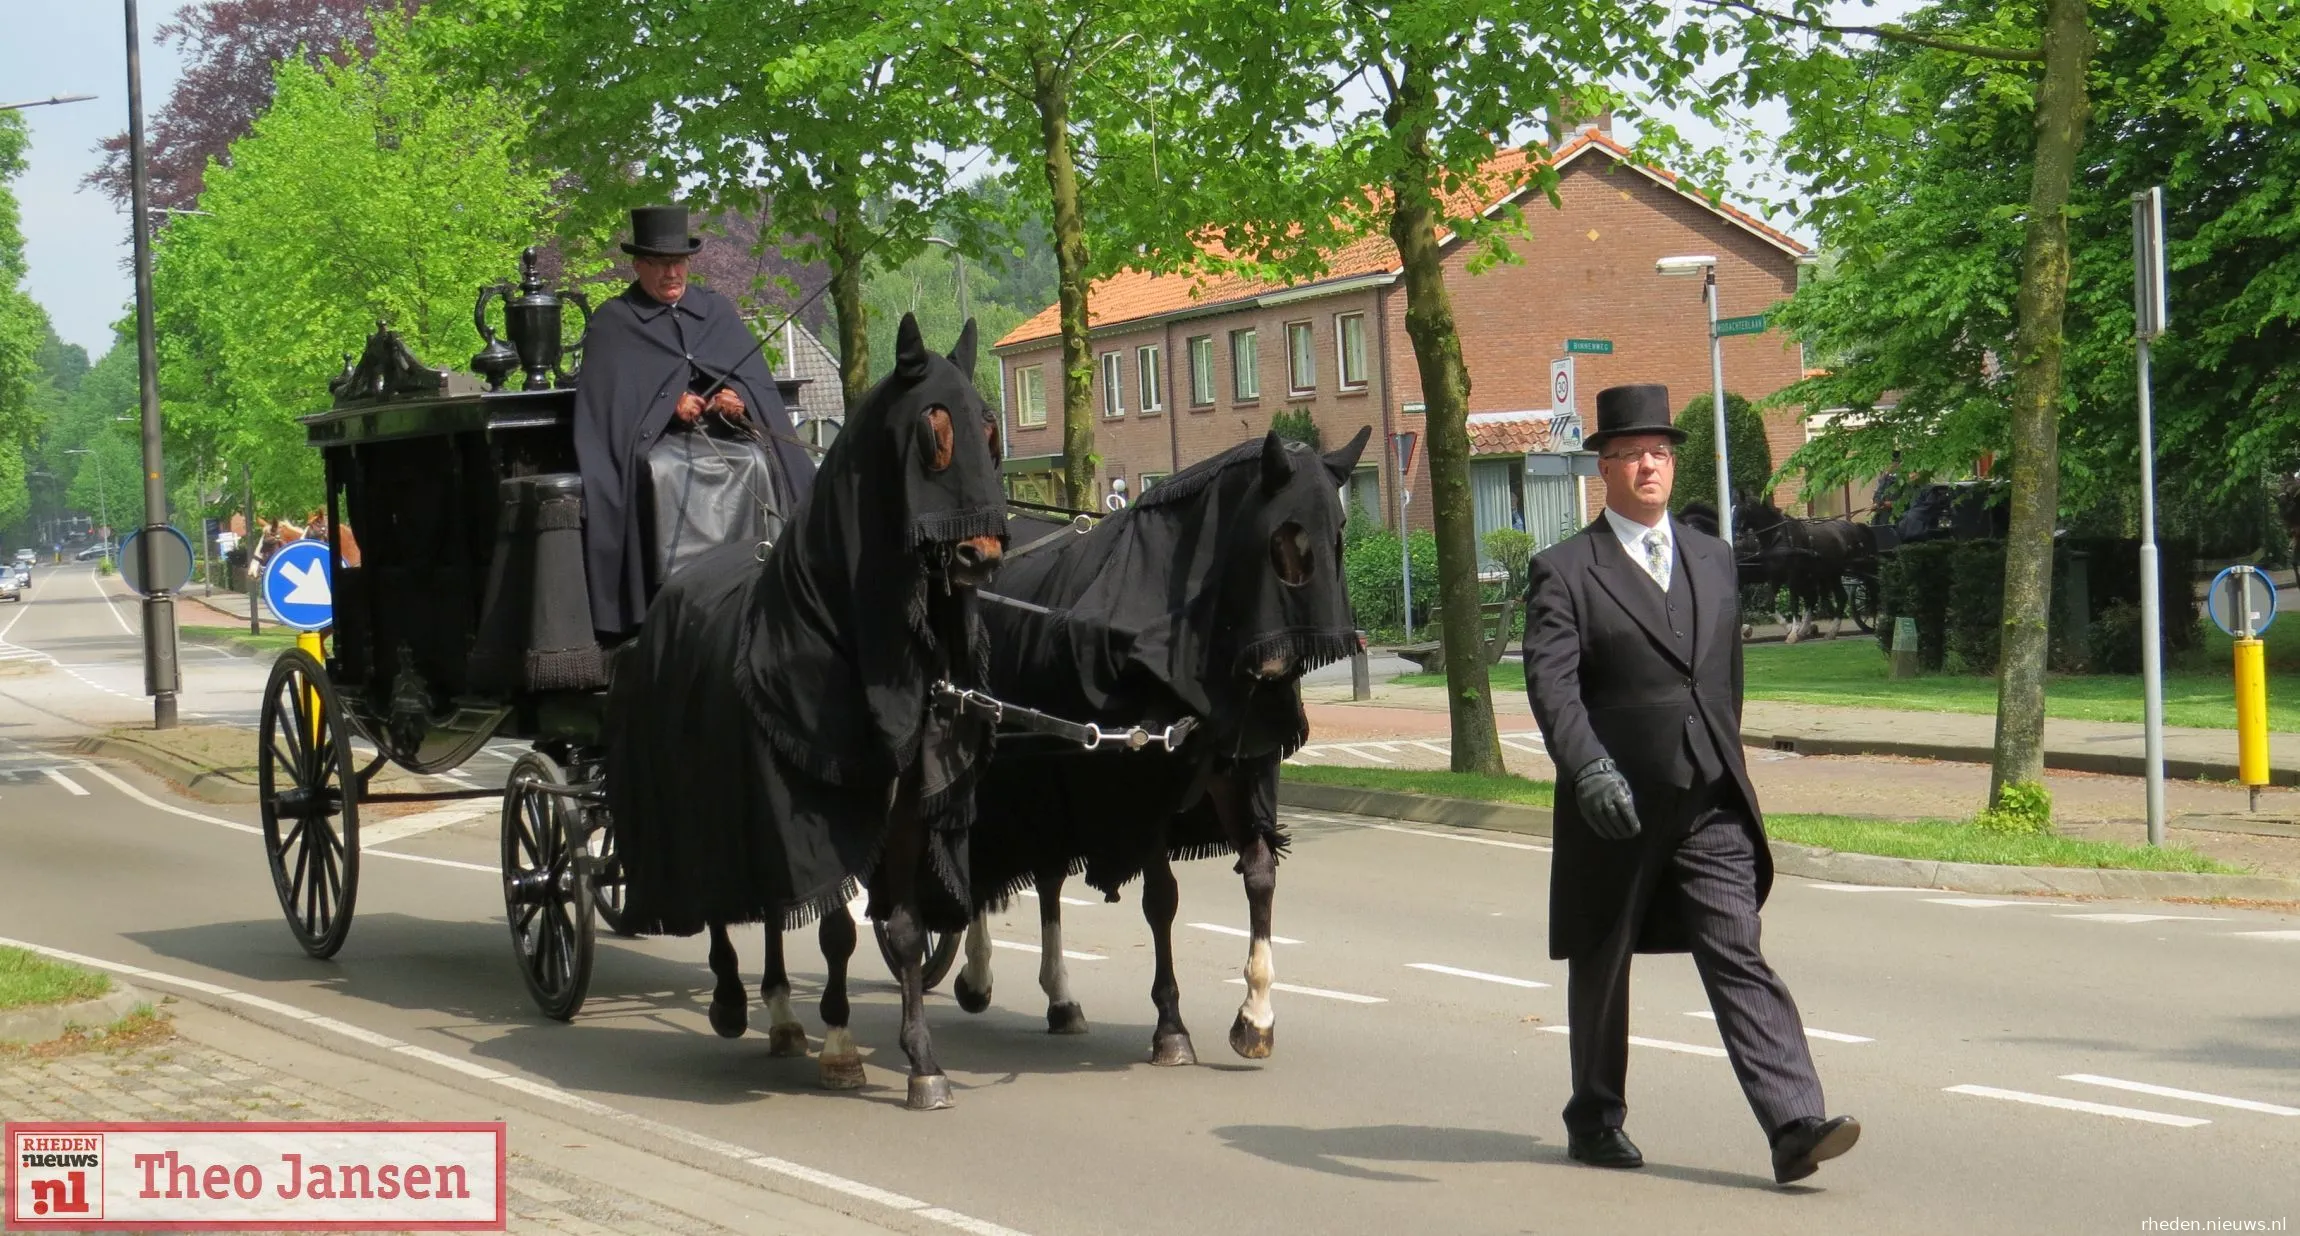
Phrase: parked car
(95,551)
(27,556)
(11,586)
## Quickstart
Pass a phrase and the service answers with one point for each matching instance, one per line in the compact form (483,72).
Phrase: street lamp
(960,257)
(103,503)
(1705,265)
(52,99)
(162,679)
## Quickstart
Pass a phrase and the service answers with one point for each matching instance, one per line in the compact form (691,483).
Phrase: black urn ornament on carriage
(532,320)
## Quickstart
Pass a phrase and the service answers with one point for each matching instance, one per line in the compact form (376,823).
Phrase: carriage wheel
(607,879)
(546,891)
(309,794)
(1862,592)
(941,951)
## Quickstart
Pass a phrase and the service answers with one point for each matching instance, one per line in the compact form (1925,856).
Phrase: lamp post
(1705,265)
(51,99)
(161,680)
(959,257)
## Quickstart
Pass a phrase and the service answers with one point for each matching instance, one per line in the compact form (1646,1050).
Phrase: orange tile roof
(1133,295)
(1508,433)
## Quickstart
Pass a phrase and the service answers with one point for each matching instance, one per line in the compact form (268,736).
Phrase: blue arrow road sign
(296,586)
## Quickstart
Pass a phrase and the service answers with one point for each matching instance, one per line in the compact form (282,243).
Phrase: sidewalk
(562,1178)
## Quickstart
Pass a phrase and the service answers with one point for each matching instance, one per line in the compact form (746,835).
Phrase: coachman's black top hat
(1624,410)
(661,231)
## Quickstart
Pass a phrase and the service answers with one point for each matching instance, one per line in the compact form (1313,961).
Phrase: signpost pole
(161,678)
(1402,447)
(1717,410)
(2149,315)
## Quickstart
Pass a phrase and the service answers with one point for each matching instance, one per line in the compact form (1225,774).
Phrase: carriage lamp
(1705,265)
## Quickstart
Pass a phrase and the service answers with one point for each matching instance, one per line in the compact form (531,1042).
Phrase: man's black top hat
(1623,410)
(661,231)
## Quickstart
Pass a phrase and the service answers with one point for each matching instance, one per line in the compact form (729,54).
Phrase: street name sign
(297,586)
(1589,347)
(1754,324)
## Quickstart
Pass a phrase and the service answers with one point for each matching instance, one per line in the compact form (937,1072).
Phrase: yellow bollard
(308,642)
(2252,714)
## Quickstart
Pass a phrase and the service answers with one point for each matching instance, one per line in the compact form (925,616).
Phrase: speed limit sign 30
(1561,385)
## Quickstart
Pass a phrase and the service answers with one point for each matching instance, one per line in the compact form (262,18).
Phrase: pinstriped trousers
(1715,874)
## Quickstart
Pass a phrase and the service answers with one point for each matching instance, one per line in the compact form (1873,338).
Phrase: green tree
(23,333)
(368,192)
(927,286)
(1749,452)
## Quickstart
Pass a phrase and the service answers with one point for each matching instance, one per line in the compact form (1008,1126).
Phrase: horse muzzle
(974,561)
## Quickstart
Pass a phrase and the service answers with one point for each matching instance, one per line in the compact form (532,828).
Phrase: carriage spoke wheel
(941,951)
(607,879)
(1862,595)
(309,796)
(546,889)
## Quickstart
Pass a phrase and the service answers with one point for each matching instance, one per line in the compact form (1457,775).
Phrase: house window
(1152,375)
(1030,396)
(1113,385)
(1245,365)
(1301,362)
(1201,371)
(1350,349)
(1150,479)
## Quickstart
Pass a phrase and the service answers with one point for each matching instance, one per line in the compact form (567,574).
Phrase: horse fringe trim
(1308,649)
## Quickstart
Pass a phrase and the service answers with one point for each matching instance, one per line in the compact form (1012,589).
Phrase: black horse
(772,736)
(1827,567)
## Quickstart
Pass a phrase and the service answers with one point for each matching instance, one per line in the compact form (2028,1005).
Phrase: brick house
(1185,368)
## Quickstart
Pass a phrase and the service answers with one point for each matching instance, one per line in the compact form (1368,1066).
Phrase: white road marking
(2080,1105)
(1350,996)
(384,832)
(1519,746)
(1866,888)
(1433,748)
(2193,1096)
(1834,1036)
(1977,903)
(155,804)
(1386,746)
(550,1093)
(1019,947)
(1690,1049)
(106,598)
(1480,975)
(1240,933)
(1365,755)
(59,778)
(1423,832)
(1032,893)
(2145,918)
(2269,935)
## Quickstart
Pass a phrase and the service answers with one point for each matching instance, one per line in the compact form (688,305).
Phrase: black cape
(639,356)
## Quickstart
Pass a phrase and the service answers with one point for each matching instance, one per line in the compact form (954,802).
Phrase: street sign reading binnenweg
(1754,324)
(1589,347)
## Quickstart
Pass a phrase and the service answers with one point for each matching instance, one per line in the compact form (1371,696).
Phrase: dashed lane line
(57,775)
(1479,975)
(2145,918)
(1865,888)
(549,1093)
(1833,1036)
(1980,903)
(2270,935)
(2192,1096)
(1433,748)
(1019,947)
(1423,832)
(1349,997)
(1365,755)
(1032,893)
(1240,933)
(2080,1105)
(1638,1040)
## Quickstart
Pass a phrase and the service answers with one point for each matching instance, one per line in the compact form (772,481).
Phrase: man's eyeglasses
(1660,454)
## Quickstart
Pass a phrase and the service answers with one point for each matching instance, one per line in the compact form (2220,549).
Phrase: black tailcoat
(639,356)
(1616,668)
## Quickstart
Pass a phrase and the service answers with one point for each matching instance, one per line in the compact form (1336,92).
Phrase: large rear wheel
(546,889)
(941,951)
(309,797)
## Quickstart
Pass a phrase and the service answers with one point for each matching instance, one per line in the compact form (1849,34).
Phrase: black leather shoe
(1604,1148)
(1801,1148)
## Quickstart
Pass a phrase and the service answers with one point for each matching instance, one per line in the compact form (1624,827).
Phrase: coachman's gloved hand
(727,403)
(1606,805)
(690,408)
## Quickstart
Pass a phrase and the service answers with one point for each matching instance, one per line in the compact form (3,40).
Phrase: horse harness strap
(956,701)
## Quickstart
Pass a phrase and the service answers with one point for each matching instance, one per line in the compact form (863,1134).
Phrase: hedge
(1955,592)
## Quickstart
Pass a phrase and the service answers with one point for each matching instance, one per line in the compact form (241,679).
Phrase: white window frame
(1201,397)
(1150,376)
(1342,351)
(1034,376)
(1308,355)
(1245,364)
(1113,385)
(1149,481)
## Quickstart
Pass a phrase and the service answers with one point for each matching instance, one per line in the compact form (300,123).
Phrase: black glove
(1606,805)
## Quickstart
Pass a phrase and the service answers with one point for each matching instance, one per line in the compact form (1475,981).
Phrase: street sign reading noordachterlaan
(1589,347)
(1754,324)
(173,558)
(297,587)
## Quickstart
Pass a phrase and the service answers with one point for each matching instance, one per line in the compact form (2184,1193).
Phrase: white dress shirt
(1633,539)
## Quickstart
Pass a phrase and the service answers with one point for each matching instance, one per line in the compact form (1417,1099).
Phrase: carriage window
(938,428)
(1290,554)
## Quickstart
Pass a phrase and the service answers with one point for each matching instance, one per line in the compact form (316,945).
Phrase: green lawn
(28,979)
(1931,840)
(272,641)
(1850,672)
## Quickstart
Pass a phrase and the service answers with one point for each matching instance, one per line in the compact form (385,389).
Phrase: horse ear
(1344,461)
(962,355)
(1276,468)
(910,354)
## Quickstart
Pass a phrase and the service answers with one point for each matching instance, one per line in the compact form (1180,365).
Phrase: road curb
(2116,764)
(1812,862)
(209,785)
(42,1023)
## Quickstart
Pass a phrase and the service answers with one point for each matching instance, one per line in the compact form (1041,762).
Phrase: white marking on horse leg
(785,1035)
(1259,973)
(841,1063)
(1053,976)
(977,969)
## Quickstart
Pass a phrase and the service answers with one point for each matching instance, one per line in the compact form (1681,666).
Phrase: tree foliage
(1749,453)
(368,192)
(24,333)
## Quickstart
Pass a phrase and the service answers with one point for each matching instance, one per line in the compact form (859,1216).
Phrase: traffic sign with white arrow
(296,586)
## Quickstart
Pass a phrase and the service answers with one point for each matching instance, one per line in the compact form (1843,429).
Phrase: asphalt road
(2019,1064)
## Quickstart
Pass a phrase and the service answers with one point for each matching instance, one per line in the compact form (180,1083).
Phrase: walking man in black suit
(1633,660)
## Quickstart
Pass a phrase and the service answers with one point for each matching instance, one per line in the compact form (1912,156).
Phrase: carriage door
(1551,510)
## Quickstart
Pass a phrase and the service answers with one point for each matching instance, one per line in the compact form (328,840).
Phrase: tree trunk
(1050,85)
(2061,111)
(1445,394)
(847,250)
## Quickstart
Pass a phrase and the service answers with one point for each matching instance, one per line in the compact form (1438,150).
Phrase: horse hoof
(1065,1019)
(968,998)
(1251,1041)
(929,1092)
(842,1072)
(1169,1050)
(787,1040)
(729,1018)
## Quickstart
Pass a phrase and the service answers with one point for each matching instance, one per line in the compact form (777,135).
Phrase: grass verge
(1924,840)
(268,643)
(27,979)
(142,1027)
